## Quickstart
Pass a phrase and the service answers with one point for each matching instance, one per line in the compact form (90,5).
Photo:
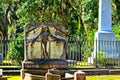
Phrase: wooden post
(79,75)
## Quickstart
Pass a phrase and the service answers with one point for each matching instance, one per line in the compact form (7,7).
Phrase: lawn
(13,77)
(102,77)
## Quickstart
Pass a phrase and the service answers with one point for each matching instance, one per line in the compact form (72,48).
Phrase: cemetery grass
(9,64)
(100,77)
(17,77)
(103,77)
(81,65)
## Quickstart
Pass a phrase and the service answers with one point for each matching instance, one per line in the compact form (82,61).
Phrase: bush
(15,50)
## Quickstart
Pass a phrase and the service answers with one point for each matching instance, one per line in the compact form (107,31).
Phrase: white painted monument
(105,37)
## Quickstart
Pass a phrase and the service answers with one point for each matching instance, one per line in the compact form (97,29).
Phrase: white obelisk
(105,32)
(105,16)
(104,24)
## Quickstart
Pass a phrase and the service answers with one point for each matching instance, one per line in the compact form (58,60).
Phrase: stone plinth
(40,72)
(114,71)
(105,42)
(44,64)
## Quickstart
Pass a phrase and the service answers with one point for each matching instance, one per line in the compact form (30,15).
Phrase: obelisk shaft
(105,15)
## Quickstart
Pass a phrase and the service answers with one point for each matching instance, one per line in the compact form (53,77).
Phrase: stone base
(45,64)
(114,72)
(105,35)
(33,77)
(28,73)
(105,41)
(41,67)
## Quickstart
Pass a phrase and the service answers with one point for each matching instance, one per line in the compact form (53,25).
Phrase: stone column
(104,24)
(104,16)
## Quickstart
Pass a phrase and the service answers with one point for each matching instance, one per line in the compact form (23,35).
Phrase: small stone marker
(1,73)
(79,75)
(50,76)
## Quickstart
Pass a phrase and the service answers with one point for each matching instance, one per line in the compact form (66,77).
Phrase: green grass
(9,64)
(82,64)
(10,67)
(13,77)
(102,77)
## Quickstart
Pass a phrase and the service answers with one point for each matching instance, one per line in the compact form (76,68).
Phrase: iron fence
(80,53)
(93,53)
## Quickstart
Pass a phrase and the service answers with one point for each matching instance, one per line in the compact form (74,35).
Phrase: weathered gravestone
(45,47)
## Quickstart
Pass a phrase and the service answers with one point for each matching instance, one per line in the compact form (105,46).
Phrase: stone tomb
(45,47)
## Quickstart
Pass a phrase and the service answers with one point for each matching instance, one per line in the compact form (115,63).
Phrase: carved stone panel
(45,40)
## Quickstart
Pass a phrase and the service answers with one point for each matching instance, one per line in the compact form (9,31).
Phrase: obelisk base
(105,41)
(105,46)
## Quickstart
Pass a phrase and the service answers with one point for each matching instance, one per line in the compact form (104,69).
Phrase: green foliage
(116,29)
(101,58)
(90,14)
(16,50)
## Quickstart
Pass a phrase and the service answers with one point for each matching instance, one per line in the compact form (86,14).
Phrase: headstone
(79,75)
(45,40)
(45,48)
(105,38)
